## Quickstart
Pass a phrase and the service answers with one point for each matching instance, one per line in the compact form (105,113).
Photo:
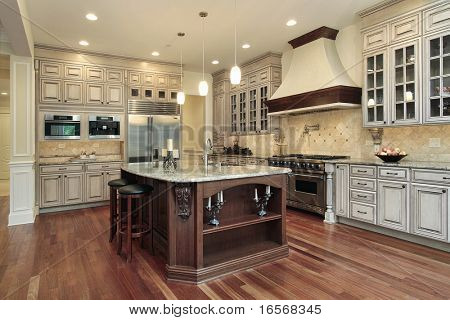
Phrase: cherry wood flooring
(68,256)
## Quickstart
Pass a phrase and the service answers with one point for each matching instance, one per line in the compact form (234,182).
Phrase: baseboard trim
(435,244)
(74,207)
(21,217)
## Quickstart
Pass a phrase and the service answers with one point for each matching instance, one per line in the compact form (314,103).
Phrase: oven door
(307,191)
(104,129)
(56,130)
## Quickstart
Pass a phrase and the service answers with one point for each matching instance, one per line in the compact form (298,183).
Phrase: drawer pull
(362,212)
(446,178)
(361,171)
(105,167)
(392,173)
(361,196)
(62,169)
(361,184)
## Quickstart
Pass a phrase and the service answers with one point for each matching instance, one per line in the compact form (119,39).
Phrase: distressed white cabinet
(436,18)
(342,190)
(51,69)
(375,97)
(73,92)
(95,93)
(375,38)
(437,78)
(95,187)
(95,74)
(114,75)
(50,190)
(50,91)
(393,204)
(114,95)
(429,206)
(405,83)
(405,28)
(108,176)
(73,72)
(73,188)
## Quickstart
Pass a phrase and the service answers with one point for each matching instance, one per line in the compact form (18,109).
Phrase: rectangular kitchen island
(196,250)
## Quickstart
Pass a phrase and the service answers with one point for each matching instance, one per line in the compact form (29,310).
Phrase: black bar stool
(114,185)
(126,226)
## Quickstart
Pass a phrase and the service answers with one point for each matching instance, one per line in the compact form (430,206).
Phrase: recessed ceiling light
(91,16)
(215,62)
(83,43)
(291,23)
(155,53)
(4,93)
(245,46)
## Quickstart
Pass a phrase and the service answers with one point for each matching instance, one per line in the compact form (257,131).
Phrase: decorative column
(183,196)
(22,166)
(330,216)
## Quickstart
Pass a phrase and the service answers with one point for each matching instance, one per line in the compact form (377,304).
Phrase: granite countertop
(69,160)
(438,165)
(192,172)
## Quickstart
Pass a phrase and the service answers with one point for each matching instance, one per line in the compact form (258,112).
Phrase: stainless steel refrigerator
(149,127)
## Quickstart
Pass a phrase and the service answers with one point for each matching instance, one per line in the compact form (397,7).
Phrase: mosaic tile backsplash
(341,133)
(74,148)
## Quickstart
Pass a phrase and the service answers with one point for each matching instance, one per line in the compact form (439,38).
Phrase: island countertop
(192,172)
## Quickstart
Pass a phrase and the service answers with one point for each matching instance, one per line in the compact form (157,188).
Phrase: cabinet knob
(403,186)
(59,100)
(393,121)
(384,122)
(444,191)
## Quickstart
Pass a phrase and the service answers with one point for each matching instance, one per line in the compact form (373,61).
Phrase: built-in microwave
(104,127)
(61,127)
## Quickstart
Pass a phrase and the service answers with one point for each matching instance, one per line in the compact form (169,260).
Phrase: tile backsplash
(341,133)
(74,148)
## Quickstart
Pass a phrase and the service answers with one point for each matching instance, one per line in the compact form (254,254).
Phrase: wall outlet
(61,146)
(434,142)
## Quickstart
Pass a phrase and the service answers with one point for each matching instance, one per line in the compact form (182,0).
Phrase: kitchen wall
(341,132)
(193,117)
(48,149)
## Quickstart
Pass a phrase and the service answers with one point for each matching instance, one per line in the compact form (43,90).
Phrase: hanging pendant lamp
(203,85)
(180,94)
(235,73)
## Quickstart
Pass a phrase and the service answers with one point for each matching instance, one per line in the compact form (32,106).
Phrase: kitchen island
(195,249)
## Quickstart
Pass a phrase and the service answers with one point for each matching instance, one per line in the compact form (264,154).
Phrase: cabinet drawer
(375,38)
(436,18)
(405,28)
(103,166)
(63,168)
(431,176)
(363,196)
(393,173)
(363,171)
(363,212)
(363,184)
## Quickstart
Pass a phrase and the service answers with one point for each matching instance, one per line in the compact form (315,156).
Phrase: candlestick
(209,202)
(256,194)
(169,144)
(267,189)
(221,196)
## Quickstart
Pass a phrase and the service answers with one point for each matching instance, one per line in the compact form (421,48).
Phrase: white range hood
(316,79)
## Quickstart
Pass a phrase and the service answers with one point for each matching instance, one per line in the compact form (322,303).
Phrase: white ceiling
(137,27)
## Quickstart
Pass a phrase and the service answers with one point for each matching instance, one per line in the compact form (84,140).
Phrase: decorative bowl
(391,158)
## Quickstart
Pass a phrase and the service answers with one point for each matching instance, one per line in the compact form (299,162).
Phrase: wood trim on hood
(322,32)
(332,95)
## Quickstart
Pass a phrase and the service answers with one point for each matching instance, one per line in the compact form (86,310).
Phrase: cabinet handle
(446,178)
(361,196)
(62,169)
(403,186)
(393,121)
(361,171)
(362,212)
(107,102)
(392,173)
(102,102)
(65,100)
(59,100)
(361,184)
(444,191)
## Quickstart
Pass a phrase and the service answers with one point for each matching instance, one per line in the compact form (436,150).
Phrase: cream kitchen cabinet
(108,176)
(342,190)
(73,72)
(73,92)
(436,18)
(95,74)
(50,190)
(73,188)
(104,94)
(50,91)
(375,38)
(429,206)
(50,69)
(393,205)
(95,93)
(114,76)
(95,187)
(114,94)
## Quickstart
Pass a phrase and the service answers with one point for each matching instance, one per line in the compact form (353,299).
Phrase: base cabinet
(430,211)
(95,187)
(73,188)
(51,190)
(393,205)
(342,190)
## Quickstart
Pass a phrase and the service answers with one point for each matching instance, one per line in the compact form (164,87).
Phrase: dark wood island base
(196,251)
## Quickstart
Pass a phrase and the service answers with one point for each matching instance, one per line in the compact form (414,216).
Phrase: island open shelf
(196,251)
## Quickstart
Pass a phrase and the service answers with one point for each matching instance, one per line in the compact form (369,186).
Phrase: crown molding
(377,7)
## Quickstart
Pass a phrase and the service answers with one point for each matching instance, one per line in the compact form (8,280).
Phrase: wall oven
(104,127)
(61,127)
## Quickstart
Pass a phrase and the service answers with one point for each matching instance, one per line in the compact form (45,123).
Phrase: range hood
(316,79)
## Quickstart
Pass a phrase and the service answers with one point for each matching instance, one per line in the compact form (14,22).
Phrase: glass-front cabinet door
(404,85)
(263,109)
(437,78)
(252,100)
(234,113)
(374,94)
(243,112)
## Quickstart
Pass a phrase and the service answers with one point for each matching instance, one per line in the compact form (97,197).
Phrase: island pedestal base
(196,251)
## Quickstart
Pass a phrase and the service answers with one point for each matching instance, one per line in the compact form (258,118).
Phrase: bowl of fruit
(388,154)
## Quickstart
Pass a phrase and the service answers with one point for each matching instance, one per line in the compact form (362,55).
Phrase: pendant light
(180,94)
(203,85)
(235,73)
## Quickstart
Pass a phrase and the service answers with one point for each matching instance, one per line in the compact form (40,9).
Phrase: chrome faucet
(208,147)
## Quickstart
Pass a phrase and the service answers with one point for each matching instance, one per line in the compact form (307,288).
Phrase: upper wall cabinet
(413,86)
(437,77)
(114,75)
(51,69)
(74,72)
(95,74)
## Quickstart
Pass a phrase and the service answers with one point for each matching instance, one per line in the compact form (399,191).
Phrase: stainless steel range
(306,184)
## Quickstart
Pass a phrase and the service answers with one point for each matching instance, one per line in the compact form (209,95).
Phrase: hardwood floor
(68,256)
